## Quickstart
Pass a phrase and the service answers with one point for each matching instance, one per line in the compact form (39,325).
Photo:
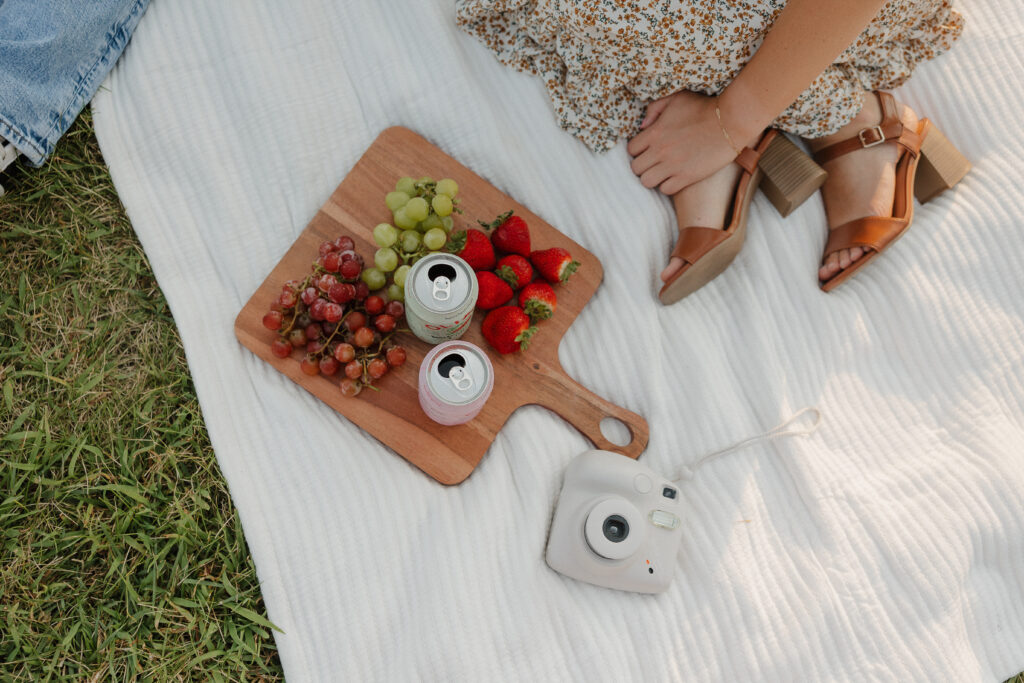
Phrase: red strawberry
(511,234)
(508,329)
(493,291)
(515,270)
(554,265)
(538,300)
(474,247)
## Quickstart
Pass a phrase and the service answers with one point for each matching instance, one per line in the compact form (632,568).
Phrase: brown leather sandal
(928,164)
(789,177)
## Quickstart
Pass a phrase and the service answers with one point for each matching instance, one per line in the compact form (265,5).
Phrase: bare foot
(861,183)
(704,204)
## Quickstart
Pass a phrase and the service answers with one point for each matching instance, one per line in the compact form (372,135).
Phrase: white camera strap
(778,432)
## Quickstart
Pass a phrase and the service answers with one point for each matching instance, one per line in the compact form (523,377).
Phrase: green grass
(123,557)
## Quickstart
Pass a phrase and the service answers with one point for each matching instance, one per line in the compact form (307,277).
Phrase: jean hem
(117,40)
(25,145)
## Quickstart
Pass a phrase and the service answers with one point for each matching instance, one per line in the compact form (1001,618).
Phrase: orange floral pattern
(603,61)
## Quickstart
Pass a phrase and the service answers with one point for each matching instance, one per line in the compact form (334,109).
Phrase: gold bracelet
(718,113)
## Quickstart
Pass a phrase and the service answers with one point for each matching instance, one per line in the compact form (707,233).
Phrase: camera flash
(666,520)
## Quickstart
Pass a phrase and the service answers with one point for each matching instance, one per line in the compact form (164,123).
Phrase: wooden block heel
(790,176)
(941,165)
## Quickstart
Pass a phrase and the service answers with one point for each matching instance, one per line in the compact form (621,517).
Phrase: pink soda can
(455,380)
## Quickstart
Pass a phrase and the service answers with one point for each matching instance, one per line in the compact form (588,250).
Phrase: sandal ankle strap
(747,159)
(890,129)
(750,157)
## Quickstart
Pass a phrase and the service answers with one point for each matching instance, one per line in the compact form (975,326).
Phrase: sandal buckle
(877,130)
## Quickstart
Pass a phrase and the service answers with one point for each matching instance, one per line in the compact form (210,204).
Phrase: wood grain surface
(393,414)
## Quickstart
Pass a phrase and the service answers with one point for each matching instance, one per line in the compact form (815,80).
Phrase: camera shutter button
(642,483)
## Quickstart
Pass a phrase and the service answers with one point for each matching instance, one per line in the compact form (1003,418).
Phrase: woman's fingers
(673,184)
(655,170)
(654,176)
(654,110)
(644,162)
(678,144)
(639,143)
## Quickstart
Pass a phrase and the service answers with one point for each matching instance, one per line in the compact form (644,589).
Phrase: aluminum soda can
(440,296)
(455,380)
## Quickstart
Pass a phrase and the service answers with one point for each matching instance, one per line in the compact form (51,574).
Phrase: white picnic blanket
(887,546)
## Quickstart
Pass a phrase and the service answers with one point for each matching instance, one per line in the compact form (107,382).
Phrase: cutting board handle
(584,410)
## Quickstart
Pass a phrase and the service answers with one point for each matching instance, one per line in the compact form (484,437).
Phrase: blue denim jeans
(53,56)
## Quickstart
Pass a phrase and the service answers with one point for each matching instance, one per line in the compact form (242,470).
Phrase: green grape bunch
(421,213)
(422,220)
(423,204)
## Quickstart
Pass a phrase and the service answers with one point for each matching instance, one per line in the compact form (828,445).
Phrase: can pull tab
(461,378)
(442,288)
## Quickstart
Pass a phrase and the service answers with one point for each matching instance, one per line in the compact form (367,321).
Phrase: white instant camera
(617,524)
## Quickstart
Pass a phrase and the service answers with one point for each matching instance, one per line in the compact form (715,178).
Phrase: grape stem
(295,308)
(380,344)
(338,327)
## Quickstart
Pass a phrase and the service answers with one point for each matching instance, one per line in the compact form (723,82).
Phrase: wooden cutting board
(393,415)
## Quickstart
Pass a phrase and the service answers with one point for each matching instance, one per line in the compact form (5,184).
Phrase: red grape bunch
(335,319)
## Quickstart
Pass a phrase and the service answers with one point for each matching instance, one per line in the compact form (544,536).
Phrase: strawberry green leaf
(496,222)
(537,310)
(569,269)
(524,337)
(508,275)
(456,243)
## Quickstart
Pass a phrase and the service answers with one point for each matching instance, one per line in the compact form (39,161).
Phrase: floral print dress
(603,60)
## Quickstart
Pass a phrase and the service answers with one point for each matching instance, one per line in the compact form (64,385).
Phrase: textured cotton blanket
(887,546)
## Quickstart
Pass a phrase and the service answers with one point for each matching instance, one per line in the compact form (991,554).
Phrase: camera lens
(615,528)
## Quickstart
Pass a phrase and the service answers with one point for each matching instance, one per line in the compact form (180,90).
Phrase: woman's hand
(681,142)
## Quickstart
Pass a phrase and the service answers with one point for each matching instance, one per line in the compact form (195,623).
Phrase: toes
(840,260)
(671,269)
(829,267)
(833,262)
(844,259)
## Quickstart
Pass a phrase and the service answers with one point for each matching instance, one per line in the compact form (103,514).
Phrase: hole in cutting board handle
(616,431)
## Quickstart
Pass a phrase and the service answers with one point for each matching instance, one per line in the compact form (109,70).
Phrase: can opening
(441,270)
(449,363)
